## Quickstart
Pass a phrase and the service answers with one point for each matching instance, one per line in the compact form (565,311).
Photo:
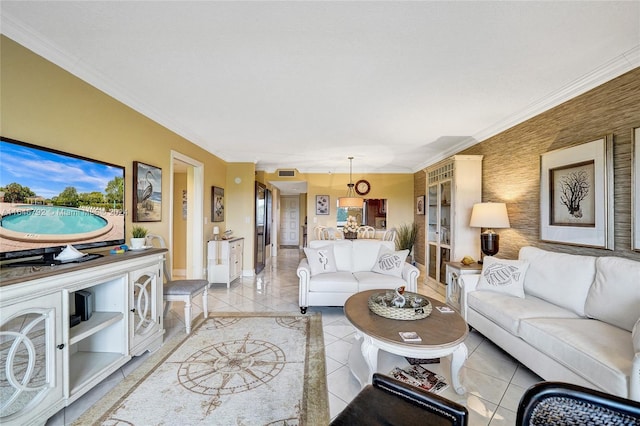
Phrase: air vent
(286,173)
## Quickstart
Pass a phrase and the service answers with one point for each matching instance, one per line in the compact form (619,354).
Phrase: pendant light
(351,200)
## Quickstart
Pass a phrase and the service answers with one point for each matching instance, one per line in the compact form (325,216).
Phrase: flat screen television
(50,199)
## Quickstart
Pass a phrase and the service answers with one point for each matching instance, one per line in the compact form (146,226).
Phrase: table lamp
(489,216)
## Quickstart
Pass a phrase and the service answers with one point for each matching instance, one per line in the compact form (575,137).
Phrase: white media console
(46,364)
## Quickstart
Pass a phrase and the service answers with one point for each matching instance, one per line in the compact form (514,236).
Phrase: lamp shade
(489,215)
(350,202)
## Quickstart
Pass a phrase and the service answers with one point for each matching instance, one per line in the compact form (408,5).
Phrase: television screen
(50,199)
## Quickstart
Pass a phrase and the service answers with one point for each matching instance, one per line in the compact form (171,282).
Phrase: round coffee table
(442,335)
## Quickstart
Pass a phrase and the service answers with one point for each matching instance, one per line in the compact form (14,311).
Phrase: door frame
(195,214)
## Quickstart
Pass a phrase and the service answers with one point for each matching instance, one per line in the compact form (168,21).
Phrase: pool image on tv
(50,198)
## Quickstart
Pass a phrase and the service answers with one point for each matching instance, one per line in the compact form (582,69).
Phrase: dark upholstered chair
(180,290)
(561,404)
(388,401)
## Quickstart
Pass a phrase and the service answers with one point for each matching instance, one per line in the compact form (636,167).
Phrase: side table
(454,285)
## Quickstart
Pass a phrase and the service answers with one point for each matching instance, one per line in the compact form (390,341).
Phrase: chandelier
(351,200)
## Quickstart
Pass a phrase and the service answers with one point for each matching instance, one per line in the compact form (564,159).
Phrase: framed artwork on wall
(217,204)
(420,204)
(576,194)
(322,204)
(635,196)
(147,193)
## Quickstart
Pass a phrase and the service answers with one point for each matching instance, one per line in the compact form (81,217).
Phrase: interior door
(261,220)
(290,221)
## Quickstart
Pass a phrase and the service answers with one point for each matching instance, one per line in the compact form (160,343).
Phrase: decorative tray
(416,306)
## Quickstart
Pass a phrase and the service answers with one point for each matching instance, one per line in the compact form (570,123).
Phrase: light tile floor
(494,381)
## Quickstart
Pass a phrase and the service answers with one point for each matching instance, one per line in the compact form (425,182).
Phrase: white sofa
(578,320)
(355,262)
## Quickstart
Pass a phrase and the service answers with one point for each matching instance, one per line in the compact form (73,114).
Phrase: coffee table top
(438,330)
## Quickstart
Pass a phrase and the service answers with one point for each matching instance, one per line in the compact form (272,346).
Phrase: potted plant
(406,238)
(138,234)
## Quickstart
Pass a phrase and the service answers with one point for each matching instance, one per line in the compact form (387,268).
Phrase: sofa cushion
(503,276)
(562,279)
(614,297)
(337,282)
(365,253)
(321,260)
(635,335)
(390,262)
(595,350)
(368,280)
(507,311)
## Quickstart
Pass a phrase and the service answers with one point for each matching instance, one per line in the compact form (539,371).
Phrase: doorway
(187,206)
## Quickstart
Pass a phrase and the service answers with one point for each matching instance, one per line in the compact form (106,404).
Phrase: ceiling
(304,85)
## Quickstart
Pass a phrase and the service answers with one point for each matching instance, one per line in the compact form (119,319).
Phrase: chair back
(554,403)
(390,235)
(157,241)
(366,231)
(318,232)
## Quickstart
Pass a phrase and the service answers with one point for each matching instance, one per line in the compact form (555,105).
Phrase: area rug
(233,369)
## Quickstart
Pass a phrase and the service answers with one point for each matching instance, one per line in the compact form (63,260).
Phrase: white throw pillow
(390,262)
(614,297)
(503,276)
(635,336)
(321,260)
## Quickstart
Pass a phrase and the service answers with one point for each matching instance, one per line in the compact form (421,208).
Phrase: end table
(454,290)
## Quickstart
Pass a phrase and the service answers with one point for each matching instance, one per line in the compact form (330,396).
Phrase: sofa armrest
(634,385)
(410,274)
(304,275)
(468,283)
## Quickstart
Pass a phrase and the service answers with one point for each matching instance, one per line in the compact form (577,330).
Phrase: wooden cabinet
(453,186)
(225,259)
(45,363)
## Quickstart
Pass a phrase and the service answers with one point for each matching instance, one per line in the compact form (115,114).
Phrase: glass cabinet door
(432,214)
(432,231)
(445,213)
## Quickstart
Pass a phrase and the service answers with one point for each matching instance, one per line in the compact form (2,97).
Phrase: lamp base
(489,244)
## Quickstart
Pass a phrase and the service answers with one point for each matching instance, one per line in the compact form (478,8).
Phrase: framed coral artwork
(576,194)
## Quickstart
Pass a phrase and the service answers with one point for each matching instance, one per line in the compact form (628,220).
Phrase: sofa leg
(303,310)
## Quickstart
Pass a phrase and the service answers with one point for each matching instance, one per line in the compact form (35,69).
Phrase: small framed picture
(322,204)
(217,204)
(420,204)
(147,193)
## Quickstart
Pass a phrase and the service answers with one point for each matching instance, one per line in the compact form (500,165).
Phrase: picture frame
(147,193)
(217,204)
(322,205)
(420,200)
(635,195)
(576,194)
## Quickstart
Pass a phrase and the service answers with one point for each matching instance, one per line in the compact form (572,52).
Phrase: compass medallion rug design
(233,369)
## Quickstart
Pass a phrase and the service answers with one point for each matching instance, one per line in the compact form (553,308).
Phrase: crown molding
(606,72)
(34,41)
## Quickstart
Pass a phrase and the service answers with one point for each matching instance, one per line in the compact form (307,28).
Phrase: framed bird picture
(147,193)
